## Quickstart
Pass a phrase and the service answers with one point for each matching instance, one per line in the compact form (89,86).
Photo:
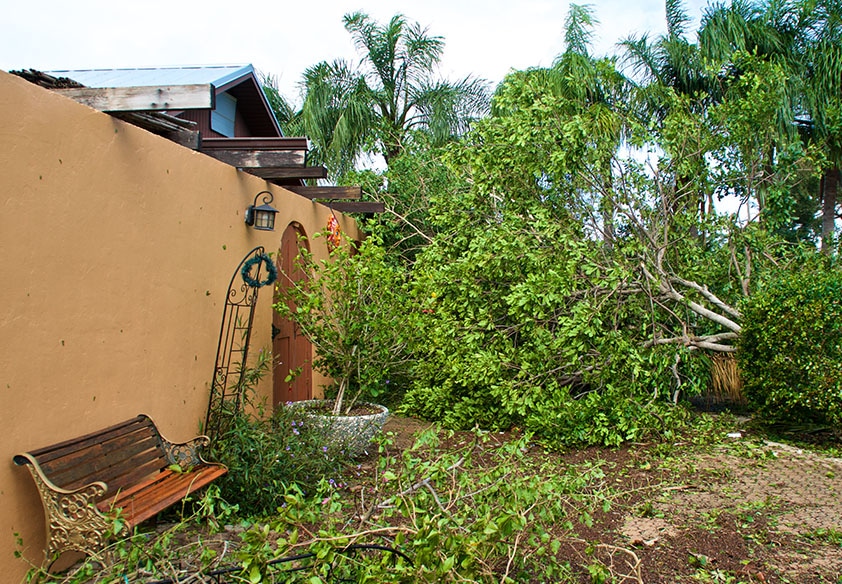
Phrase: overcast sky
(484,38)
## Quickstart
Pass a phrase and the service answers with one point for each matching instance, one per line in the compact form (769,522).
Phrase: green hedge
(790,349)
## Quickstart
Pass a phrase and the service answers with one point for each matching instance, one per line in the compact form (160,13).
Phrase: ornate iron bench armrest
(186,454)
(73,521)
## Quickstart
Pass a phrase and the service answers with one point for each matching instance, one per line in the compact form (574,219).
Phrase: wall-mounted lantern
(262,217)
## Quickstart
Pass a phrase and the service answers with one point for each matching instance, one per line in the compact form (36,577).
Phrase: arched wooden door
(292,352)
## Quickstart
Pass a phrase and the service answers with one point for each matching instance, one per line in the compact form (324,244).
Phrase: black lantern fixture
(262,217)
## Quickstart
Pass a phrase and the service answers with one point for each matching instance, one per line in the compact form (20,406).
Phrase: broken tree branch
(710,296)
(674,294)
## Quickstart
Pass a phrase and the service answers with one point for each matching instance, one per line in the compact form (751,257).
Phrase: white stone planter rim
(352,433)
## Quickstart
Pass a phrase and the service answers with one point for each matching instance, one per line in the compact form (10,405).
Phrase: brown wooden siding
(241,127)
(202,119)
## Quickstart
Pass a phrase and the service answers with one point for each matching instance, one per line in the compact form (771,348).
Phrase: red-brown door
(291,350)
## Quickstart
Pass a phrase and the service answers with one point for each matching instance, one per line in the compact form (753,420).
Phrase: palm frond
(447,109)
(677,18)
(578,28)
(288,116)
(642,56)
(336,112)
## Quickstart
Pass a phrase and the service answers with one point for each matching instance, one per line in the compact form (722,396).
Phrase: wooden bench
(128,471)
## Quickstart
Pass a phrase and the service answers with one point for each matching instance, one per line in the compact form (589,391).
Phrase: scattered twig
(637,577)
(511,558)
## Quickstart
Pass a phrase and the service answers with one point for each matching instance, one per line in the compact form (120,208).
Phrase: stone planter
(351,433)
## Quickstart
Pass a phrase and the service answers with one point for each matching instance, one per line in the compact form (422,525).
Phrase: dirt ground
(743,511)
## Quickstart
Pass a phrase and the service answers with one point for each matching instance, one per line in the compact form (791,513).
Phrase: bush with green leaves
(265,455)
(790,350)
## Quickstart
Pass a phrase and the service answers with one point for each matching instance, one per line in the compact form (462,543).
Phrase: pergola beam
(258,159)
(326,193)
(357,206)
(285,172)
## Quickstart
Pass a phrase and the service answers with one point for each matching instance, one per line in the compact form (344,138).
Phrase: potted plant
(350,307)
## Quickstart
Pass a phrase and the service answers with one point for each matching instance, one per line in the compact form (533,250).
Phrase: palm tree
(824,99)
(670,61)
(376,105)
(593,90)
(670,72)
(768,30)
(804,37)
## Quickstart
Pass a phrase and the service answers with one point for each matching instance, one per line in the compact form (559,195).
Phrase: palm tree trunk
(830,182)
(607,207)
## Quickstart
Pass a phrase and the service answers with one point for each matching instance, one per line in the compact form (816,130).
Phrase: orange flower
(334,237)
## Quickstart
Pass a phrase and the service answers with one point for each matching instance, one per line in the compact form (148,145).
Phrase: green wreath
(271,271)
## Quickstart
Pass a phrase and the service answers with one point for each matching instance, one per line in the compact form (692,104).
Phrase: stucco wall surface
(117,249)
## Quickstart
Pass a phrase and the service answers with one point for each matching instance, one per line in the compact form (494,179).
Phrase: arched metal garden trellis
(226,393)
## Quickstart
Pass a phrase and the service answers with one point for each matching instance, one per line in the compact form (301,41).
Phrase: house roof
(240,81)
(218,75)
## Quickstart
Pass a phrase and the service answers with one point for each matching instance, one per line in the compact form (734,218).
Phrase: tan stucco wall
(117,249)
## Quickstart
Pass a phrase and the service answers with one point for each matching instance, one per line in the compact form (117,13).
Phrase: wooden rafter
(357,206)
(156,121)
(248,159)
(251,143)
(326,193)
(285,172)
(248,153)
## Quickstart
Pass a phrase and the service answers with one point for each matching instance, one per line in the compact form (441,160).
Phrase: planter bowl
(352,433)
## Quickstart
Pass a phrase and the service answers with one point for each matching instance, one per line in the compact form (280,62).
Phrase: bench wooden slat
(95,449)
(107,462)
(60,449)
(147,499)
(107,442)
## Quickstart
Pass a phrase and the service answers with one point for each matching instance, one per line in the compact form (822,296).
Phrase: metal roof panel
(218,75)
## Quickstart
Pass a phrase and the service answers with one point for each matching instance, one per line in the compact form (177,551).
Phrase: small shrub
(790,349)
(355,310)
(264,456)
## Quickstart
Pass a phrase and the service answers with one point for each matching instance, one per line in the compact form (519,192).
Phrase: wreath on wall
(271,271)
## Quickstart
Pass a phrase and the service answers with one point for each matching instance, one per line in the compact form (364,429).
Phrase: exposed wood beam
(277,172)
(186,138)
(155,121)
(329,193)
(256,159)
(250,143)
(144,99)
(357,206)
